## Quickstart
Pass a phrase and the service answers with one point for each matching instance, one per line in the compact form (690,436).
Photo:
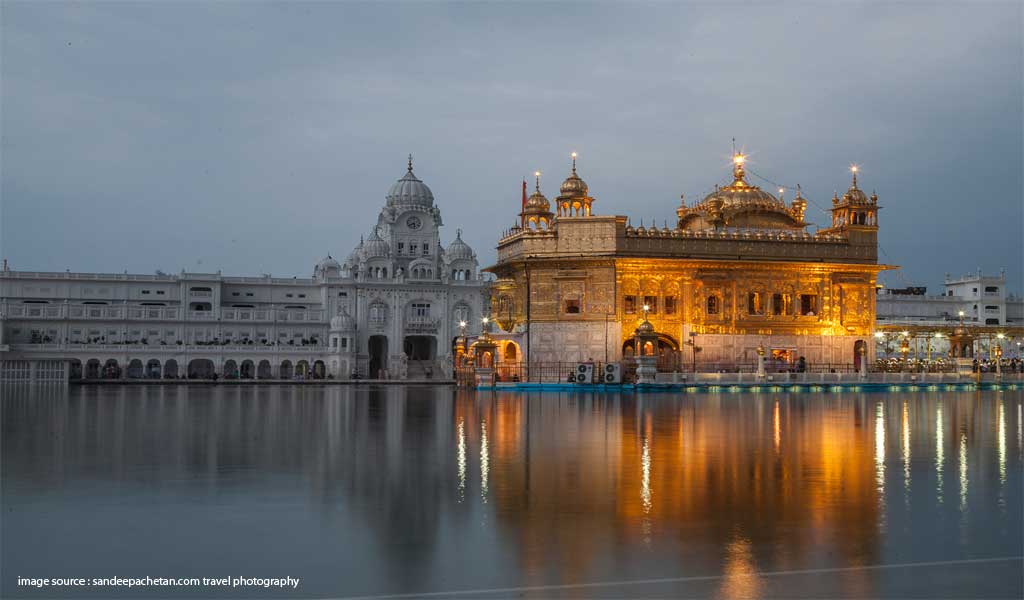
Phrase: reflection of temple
(407,486)
(737,271)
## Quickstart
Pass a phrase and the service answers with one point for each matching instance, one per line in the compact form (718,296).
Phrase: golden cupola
(574,196)
(537,210)
(855,207)
(740,205)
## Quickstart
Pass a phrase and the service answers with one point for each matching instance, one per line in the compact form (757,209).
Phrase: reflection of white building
(391,308)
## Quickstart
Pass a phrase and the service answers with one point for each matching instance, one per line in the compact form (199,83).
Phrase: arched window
(713,305)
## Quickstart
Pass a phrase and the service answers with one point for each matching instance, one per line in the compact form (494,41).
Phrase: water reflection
(372,490)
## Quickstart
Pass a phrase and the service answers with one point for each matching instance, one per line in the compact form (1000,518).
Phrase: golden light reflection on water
(740,577)
(777,427)
(906,451)
(880,451)
(1001,442)
(963,471)
(940,449)
(460,459)
(485,461)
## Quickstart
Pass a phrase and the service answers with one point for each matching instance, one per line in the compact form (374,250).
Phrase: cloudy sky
(255,138)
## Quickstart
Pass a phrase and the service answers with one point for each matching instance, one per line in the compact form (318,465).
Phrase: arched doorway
(286,369)
(111,370)
(858,347)
(247,370)
(200,368)
(153,369)
(319,370)
(511,352)
(420,347)
(171,369)
(92,369)
(302,369)
(263,370)
(230,369)
(378,347)
(74,369)
(135,369)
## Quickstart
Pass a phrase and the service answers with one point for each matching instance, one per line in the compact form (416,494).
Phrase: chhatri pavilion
(738,273)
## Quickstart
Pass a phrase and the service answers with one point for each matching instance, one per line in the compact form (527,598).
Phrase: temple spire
(573,163)
(410,163)
(537,175)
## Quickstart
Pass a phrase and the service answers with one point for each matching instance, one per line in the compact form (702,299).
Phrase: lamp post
(904,350)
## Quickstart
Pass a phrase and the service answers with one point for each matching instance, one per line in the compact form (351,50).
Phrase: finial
(537,175)
(853,169)
(458,234)
(573,163)
(798,191)
(737,166)
(782,191)
(682,199)
(410,163)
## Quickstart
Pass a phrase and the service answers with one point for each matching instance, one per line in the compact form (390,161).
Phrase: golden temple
(738,272)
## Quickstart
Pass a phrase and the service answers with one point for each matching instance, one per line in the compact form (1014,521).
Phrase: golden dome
(855,195)
(574,186)
(537,202)
(741,205)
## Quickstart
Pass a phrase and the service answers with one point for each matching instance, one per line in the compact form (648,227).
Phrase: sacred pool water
(367,491)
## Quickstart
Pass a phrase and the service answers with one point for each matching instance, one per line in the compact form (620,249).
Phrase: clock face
(413,223)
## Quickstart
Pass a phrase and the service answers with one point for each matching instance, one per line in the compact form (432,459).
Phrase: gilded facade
(738,271)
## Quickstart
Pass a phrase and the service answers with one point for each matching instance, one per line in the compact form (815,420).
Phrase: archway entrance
(378,347)
(319,370)
(286,369)
(302,369)
(200,368)
(111,370)
(92,369)
(230,370)
(153,369)
(420,347)
(171,369)
(263,370)
(135,369)
(247,370)
(75,369)
(858,347)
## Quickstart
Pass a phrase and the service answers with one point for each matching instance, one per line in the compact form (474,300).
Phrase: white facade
(982,298)
(390,310)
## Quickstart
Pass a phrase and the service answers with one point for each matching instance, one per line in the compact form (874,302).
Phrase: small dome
(537,203)
(855,195)
(356,255)
(573,186)
(645,328)
(409,190)
(458,249)
(375,247)
(343,322)
(327,267)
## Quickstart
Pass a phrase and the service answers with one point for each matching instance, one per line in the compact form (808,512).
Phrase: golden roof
(573,186)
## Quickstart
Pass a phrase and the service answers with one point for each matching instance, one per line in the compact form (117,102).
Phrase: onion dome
(573,186)
(458,249)
(343,322)
(537,202)
(739,205)
(409,190)
(327,267)
(645,328)
(641,230)
(854,195)
(375,247)
(356,255)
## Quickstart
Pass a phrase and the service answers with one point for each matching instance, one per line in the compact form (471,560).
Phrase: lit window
(808,304)
(755,303)
(713,305)
(670,305)
(629,304)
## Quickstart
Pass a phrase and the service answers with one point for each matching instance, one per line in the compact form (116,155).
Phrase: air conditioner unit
(612,373)
(584,372)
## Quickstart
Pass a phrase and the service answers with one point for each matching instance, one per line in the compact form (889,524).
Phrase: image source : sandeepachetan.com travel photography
(476,300)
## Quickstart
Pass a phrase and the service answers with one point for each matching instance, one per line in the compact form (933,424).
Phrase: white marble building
(391,309)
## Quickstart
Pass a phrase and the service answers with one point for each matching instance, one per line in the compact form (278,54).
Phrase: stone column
(760,362)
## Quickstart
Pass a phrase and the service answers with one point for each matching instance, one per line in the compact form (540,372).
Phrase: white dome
(375,247)
(326,264)
(343,322)
(410,191)
(357,254)
(459,250)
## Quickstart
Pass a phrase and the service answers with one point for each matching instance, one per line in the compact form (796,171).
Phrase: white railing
(140,349)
